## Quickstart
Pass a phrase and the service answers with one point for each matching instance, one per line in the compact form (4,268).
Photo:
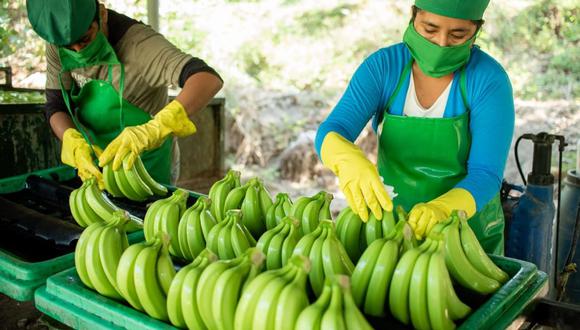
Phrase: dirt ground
(23,315)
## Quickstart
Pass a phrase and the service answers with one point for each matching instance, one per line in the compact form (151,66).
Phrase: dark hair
(478,22)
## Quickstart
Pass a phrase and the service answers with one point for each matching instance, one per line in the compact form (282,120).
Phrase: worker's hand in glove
(135,140)
(358,178)
(424,216)
(76,152)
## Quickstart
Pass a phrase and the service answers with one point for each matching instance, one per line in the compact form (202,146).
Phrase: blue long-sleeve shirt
(489,95)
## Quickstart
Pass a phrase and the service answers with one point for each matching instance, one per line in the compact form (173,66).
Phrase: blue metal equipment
(531,229)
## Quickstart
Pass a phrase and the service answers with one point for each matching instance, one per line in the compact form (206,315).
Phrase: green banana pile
(280,209)
(194,227)
(373,272)
(326,253)
(220,287)
(98,252)
(89,205)
(279,242)
(274,299)
(230,238)
(334,309)
(182,307)
(144,275)
(163,216)
(135,184)
(311,210)
(466,260)
(356,235)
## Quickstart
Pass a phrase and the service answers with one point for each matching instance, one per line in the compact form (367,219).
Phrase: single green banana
(388,222)
(400,282)
(377,290)
(311,214)
(436,294)
(239,240)
(225,297)
(111,245)
(253,216)
(86,213)
(157,188)
(274,253)
(273,212)
(189,306)
(298,207)
(95,268)
(331,259)
(477,256)
(206,288)
(305,243)
(325,213)
(110,182)
(182,235)
(196,241)
(136,181)
(349,234)
(165,269)
(459,266)
(234,199)
(316,275)
(364,270)
(291,239)
(147,284)
(341,219)
(265,199)
(206,219)
(418,293)
(124,277)
(373,230)
(174,306)
(149,222)
(74,209)
(97,201)
(333,317)
(353,317)
(81,253)
(169,225)
(311,316)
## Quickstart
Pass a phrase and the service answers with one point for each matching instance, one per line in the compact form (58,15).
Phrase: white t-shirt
(414,109)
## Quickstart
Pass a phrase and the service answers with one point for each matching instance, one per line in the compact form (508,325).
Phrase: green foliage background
(302,45)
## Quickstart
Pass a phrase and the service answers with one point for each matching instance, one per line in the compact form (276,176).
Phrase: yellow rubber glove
(76,152)
(424,216)
(358,178)
(135,140)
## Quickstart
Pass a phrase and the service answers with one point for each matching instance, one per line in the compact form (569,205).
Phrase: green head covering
(463,9)
(61,22)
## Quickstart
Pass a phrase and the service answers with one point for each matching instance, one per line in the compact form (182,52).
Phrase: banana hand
(135,140)
(76,152)
(424,216)
(358,177)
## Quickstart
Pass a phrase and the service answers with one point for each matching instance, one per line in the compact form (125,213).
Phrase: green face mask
(98,51)
(434,60)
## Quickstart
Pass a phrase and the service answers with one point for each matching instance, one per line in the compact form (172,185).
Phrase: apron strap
(463,87)
(121,89)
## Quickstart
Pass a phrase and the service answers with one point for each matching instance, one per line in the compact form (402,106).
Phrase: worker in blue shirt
(443,111)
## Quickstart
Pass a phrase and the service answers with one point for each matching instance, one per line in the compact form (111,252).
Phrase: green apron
(102,113)
(424,158)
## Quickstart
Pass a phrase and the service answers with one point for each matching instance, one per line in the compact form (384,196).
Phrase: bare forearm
(198,90)
(60,122)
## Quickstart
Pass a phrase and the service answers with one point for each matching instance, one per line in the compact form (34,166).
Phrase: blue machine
(532,227)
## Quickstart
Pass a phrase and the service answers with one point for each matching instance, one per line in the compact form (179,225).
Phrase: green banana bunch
(373,272)
(230,238)
(326,253)
(462,268)
(356,235)
(219,192)
(144,276)
(89,205)
(334,309)
(254,206)
(311,210)
(163,216)
(182,308)
(98,252)
(275,298)
(135,184)
(194,227)
(281,208)
(278,243)
(220,287)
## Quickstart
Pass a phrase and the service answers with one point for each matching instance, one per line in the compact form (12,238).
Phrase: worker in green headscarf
(443,111)
(106,88)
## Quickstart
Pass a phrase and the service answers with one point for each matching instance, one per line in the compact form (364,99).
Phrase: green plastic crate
(67,300)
